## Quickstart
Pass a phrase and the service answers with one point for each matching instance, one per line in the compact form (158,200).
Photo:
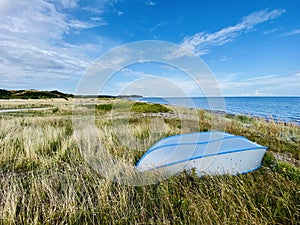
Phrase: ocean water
(286,109)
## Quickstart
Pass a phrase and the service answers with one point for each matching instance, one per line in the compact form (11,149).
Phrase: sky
(252,48)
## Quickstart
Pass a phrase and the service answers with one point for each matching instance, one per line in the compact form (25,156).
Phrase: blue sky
(251,47)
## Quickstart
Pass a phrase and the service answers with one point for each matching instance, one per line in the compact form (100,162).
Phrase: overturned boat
(213,153)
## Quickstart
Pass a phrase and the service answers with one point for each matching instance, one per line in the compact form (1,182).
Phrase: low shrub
(143,107)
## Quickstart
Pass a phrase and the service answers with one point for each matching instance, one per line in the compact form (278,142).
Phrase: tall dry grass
(45,180)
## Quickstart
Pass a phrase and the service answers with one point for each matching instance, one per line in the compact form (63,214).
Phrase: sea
(285,109)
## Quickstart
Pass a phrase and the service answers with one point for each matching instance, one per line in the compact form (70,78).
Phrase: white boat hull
(213,153)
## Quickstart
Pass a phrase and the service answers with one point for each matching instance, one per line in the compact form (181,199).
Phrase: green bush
(143,107)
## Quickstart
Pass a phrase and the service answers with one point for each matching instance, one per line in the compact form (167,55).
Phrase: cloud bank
(201,42)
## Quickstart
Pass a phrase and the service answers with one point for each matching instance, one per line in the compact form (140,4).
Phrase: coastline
(252,111)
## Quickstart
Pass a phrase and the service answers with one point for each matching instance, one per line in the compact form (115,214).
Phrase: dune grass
(45,180)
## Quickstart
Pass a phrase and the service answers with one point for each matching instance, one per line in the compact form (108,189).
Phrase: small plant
(143,134)
(289,171)
(244,118)
(229,116)
(55,110)
(269,160)
(104,107)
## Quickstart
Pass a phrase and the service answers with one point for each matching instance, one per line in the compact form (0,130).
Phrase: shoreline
(269,118)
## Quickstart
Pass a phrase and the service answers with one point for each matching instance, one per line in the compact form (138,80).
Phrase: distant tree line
(32,94)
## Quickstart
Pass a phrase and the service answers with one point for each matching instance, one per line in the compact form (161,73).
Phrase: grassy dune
(45,180)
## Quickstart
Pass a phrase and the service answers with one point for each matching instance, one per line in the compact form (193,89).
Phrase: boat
(207,153)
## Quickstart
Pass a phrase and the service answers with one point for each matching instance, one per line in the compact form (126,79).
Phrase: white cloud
(261,85)
(69,3)
(225,58)
(258,93)
(200,42)
(100,6)
(38,19)
(261,78)
(65,3)
(156,27)
(35,18)
(93,10)
(85,25)
(150,3)
(290,33)
(271,31)
(120,13)
(168,67)
(32,43)
(134,73)
(99,19)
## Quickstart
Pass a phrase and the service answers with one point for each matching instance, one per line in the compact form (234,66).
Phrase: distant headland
(37,94)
